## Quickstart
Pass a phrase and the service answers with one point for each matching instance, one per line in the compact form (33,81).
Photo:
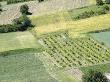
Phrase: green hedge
(93,12)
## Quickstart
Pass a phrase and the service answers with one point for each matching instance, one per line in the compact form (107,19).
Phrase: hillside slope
(12,11)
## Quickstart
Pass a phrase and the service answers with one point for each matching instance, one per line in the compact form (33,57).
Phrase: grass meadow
(17,40)
(23,68)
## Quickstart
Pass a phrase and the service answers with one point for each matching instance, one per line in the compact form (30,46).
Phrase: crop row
(75,52)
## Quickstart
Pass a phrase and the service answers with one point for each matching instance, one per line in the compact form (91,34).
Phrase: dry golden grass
(77,27)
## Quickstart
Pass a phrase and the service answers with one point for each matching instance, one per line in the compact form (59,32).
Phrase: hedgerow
(89,13)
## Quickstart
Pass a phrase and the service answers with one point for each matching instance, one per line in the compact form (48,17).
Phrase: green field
(17,40)
(23,68)
(102,37)
(75,27)
(105,68)
(65,44)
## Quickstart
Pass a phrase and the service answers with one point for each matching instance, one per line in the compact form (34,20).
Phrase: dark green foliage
(106,8)
(19,24)
(94,76)
(7,28)
(100,12)
(24,9)
(40,0)
(22,23)
(107,1)
(99,2)
(85,14)
(89,13)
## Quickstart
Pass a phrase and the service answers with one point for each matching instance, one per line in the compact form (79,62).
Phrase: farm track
(12,11)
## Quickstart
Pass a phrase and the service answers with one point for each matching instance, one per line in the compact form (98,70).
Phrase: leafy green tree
(106,8)
(107,1)
(99,2)
(94,76)
(22,23)
(24,9)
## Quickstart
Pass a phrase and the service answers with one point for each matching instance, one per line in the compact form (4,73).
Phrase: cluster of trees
(100,2)
(19,24)
(94,76)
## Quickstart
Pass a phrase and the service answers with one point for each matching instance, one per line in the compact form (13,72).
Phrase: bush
(100,12)
(107,1)
(99,2)
(94,76)
(106,8)
(19,24)
(24,9)
(85,14)
(7,28)
(22,23)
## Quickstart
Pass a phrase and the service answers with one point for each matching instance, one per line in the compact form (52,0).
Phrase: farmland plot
(17,40)
(23,68)
(102,37)
(77,52)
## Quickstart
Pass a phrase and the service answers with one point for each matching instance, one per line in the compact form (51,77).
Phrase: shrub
(24,9)
(106,8)
(22,23)
(85,14)
(7,28)
(94,76)
(99,2)
(100,12)
(107,1)
(19,24)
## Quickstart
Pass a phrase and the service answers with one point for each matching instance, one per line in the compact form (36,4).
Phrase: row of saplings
(19,24)
(94,76)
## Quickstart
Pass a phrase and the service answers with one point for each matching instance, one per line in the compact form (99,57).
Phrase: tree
(99,2)
(107,1)
(22,23)
(40,0)
(24,9)
(94,76)
(0,7)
